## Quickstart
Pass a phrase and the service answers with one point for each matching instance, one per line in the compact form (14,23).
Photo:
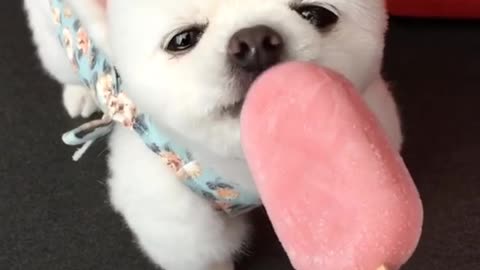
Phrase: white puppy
(188,64)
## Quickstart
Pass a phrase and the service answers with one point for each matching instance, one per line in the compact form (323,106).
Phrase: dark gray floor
(54,213)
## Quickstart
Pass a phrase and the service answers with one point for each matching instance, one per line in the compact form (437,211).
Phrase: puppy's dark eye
(320,17)
(184,40)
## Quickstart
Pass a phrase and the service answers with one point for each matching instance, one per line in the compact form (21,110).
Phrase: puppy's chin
(212,133)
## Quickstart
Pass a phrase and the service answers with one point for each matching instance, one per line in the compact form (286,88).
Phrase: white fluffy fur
(175,228)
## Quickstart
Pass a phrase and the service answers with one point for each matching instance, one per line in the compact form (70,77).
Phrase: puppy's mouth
(243,83)
(234,109)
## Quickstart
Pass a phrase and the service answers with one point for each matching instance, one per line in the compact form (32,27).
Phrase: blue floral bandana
(99,75)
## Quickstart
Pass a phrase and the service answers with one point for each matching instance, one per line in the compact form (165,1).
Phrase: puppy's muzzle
(255,49)
(251,51)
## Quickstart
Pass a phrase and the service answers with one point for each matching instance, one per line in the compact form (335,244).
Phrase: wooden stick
(383,267)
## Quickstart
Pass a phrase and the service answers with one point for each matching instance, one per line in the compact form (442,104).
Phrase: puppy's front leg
(78,101)
(176,228)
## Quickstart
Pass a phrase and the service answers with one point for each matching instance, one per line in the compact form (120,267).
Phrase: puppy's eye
(320,17)
(184,40)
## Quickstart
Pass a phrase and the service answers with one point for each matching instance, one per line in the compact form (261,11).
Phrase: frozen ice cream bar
(338,195)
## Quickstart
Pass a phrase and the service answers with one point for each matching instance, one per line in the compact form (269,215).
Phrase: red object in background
(466,9)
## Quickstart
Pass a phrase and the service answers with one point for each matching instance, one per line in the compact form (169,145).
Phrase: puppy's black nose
(255,49)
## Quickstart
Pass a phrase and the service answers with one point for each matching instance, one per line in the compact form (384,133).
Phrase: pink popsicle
(338,195)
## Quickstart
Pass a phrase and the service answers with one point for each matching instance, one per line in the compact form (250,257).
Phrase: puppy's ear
(93,16)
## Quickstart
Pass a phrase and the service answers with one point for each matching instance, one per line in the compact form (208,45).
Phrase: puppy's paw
(78,101)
